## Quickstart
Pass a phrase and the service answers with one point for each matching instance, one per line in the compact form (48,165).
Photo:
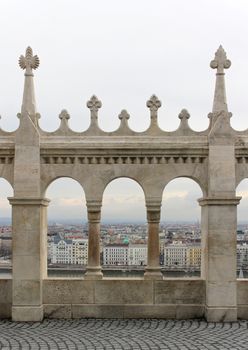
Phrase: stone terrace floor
(123,334)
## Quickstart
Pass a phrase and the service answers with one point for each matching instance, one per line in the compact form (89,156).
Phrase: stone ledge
(163,311)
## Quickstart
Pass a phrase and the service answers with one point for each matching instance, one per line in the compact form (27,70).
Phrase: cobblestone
(96,334)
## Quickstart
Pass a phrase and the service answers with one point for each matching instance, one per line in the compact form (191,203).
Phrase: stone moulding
(215,158)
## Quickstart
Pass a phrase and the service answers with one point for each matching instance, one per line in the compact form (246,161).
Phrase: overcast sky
(124,51)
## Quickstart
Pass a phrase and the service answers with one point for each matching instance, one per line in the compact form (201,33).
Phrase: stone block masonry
(216,158)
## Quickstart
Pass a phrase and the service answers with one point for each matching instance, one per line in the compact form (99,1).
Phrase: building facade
(115,254)
(69,251)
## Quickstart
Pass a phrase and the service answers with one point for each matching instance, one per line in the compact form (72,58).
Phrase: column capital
(29,201)
(219,201)
(93,205)
(153,204)
(94,211)
(153,209)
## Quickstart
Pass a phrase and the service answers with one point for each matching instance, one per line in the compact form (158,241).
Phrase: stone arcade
(217,159)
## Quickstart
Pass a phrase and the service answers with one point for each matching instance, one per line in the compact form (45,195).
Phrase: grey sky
(123,51)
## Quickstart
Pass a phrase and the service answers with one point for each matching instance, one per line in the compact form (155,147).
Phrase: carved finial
(153,104)
(220,61)
(124,115)
(29,61)
(184,115)
(64,115)
(94,104)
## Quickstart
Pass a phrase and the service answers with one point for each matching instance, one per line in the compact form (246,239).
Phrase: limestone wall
(130,298)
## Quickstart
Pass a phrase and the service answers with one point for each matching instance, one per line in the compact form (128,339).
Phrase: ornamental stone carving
(216,158)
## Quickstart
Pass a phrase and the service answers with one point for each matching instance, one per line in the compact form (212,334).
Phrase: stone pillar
(94,271)
(219,224)
(29,236)
(153,270)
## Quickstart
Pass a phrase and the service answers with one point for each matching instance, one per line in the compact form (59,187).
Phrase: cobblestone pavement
(123,334)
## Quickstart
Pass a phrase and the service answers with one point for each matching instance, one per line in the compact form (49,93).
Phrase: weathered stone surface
(5,310)
(218,314)
(191,291)
(242,292)
(57,311)
(243,312)
(123,292)
(184,312)
(61,291)
(27,313)
(27,292)
(5,291)
(150,311)
(98,311)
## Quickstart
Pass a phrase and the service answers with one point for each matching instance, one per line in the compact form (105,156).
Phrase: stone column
(219,255)
(153,270)
(219,208)
(94,271)
(29,236)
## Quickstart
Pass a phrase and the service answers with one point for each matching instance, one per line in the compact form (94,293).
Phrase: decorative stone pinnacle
(153,104)
(220,61)
(64,115)
(124,115)
(94,104)
(184,114)
(29,61)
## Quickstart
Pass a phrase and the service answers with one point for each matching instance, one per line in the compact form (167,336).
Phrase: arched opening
(123,229)
(5,229)
(180,233)
(67,233)
(242,230)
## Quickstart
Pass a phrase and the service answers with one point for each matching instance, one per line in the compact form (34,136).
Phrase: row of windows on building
(176,255)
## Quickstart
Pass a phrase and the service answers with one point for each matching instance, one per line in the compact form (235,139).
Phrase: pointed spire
(220,63)
(29,62)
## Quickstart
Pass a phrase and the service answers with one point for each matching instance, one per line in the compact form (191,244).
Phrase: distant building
(175,254)
(182,255)
(68,251)
(137,254)
(115,254)
(194,255)
(242,256)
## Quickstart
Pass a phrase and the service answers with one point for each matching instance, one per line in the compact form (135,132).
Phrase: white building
(68,251)
(137,254)
(115,254)
(175,254)
(125,254)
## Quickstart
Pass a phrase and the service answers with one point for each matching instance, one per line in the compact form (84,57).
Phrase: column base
(93,273)
(27,313)
(220,314)
(153,273)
